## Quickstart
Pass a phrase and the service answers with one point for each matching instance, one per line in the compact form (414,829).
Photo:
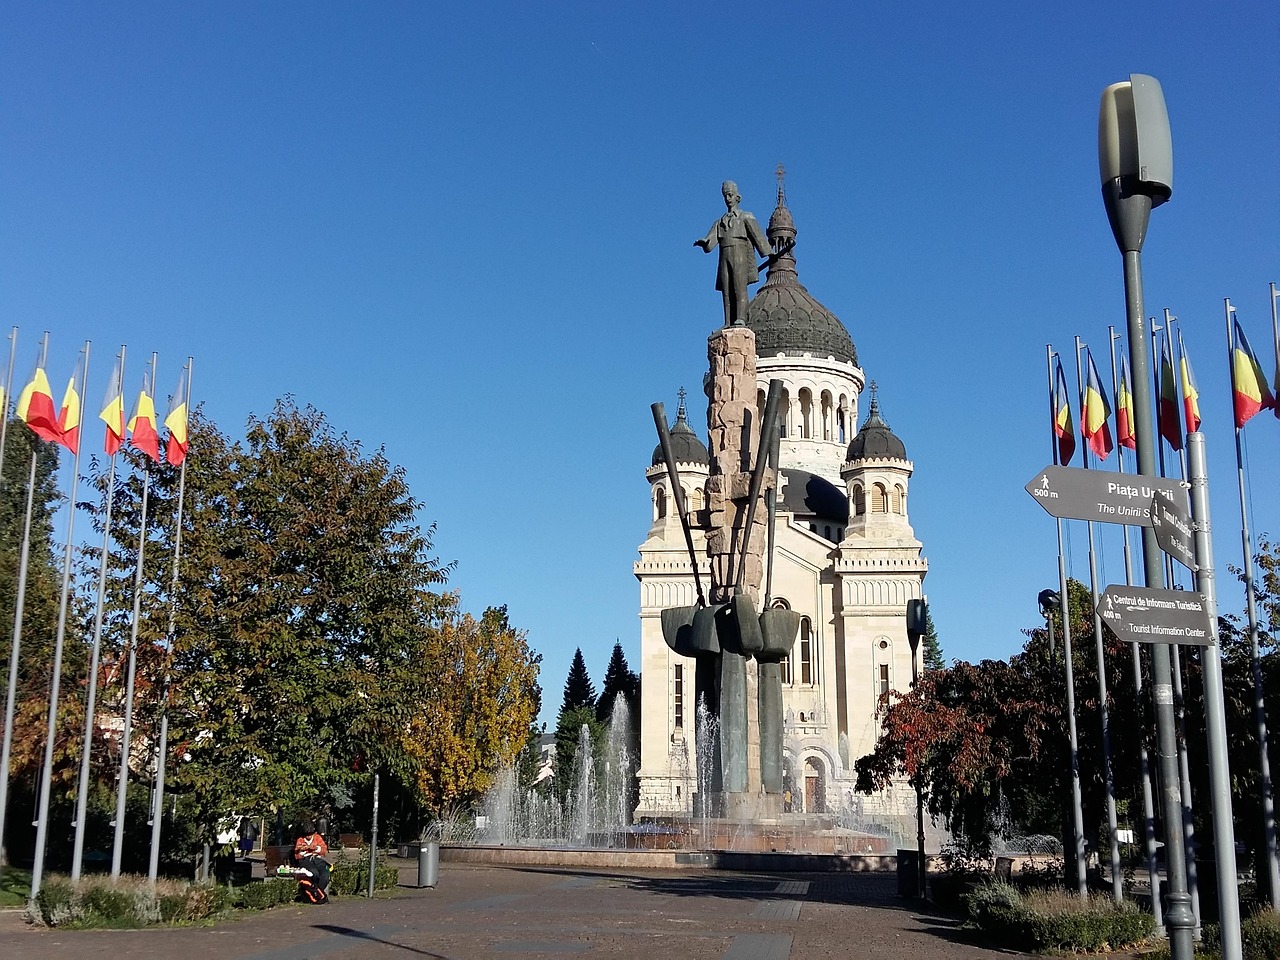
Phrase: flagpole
(55,682)
(1275,340)
(1077,813)
(1224,839)
(162,749)
(122,787)
(1255,661)
(1148,801)
(1104,713)
(4,411)
(19,602)
(1175,652)
(82,791)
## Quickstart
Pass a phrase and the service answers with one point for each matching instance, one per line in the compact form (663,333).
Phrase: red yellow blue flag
(1062,425)
(1249,389)
(1095,414)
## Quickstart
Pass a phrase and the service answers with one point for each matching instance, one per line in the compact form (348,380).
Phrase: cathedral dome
(785,317)
(809,495)
(684,442)
(875,441)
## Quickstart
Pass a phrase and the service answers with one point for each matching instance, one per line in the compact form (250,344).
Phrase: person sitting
(310,852)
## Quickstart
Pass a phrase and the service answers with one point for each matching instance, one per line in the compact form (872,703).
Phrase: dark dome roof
(785,317)
(684,442)
(875,441)
(809,495)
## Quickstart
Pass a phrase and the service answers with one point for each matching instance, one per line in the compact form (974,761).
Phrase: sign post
(1072,493)
(1172,526)
(1156,615)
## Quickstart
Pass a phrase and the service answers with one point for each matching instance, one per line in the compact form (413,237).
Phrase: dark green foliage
(619,680)
(1260,934)
(269,893)
(579,691)
(933,658)
(568,735)
(351,876)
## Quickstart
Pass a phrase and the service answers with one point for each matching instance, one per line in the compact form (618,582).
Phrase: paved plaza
(504,912)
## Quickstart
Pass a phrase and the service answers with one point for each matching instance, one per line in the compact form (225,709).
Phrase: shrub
(1260,934)
(351,876)
(1058,920)
(269,893)
(123,902)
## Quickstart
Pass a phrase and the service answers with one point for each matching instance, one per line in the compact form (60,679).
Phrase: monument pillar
(737,559)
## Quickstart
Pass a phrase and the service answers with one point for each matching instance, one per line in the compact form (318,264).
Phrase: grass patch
(1056,919)
(124,903)
(15,885)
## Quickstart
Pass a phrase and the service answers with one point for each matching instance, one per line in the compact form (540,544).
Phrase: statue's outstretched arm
(710,241)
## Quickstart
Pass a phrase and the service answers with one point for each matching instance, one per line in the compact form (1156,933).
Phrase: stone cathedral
(846,559)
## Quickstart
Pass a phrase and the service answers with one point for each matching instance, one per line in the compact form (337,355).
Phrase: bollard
(428,863)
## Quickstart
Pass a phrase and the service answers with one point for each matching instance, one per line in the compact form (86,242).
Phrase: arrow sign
(1153,615)
(1172,525)
(1072,493)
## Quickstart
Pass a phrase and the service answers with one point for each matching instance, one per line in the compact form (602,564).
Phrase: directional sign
(1076,494)
(1152,615)
(1172,526)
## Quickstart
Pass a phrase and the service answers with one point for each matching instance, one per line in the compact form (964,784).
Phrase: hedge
(124,902)
(1056,920)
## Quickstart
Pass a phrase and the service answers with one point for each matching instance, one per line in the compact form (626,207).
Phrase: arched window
(899,500)
(827,418)
(806,652)
(660,501)
(840,424)
(826,531)
(859,500)
(806,414)
(695,500)
(784,411)
(780,604)
(879,499)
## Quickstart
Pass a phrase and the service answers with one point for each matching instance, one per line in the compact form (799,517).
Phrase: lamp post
(917,620)
(1135,162)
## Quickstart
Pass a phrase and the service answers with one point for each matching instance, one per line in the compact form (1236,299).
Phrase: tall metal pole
(1148,806)
(163,748)
(373,839)
(1255,663)
(1104,712)
(55,682)
(4,410)
(1224,838)
(1077,811)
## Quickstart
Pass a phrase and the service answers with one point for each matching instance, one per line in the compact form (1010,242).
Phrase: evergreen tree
(618,679)
(579,691)
(569,729)
(933,658)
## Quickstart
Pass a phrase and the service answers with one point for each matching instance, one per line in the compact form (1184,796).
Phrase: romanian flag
(35,407)
(142,428)
(1168,416)
(1190,395)
(113,410)
(1095,414)
(175,450)
(1248,385)
(1124,409)
(1062,426)
(69,414)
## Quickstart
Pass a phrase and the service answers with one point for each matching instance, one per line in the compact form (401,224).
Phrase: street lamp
(1049,602)
(917,620)
(1135,162)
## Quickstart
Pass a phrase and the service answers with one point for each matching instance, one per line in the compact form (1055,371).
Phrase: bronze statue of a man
(739,238)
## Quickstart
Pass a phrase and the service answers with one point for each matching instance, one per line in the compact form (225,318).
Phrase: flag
(35,407)
(142,428)
(1168,416)
(1248,384)
(69,414)
(175,450)
(113,411)
(1124,409)
(1190,395)
(1095,414)
(1062,427)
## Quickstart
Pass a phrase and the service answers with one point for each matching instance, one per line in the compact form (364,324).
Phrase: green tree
(303,603)
(579,691)
(933,658)
(569,727)
(619,680)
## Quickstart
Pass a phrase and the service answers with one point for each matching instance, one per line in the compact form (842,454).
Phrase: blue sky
(465,233)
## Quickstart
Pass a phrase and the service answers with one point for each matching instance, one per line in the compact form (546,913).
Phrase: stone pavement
(504,912)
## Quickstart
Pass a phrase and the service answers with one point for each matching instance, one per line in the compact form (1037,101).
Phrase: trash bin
(428,863)
(909,873)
